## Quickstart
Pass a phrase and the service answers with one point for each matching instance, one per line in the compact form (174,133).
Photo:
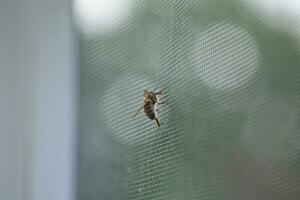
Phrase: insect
(150,105)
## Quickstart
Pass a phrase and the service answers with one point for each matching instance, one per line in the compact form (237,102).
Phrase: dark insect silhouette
(150,105)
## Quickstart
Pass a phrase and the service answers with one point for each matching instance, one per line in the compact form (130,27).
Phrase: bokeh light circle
(100,15)
(225,56)
(119,104)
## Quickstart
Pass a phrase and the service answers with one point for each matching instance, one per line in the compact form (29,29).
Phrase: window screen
(230,75)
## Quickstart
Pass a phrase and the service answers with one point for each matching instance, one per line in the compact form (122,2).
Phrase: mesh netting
(230,125)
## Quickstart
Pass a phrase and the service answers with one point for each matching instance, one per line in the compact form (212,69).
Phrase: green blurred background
(230,71)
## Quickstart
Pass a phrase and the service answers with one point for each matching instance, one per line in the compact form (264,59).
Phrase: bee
(150,105)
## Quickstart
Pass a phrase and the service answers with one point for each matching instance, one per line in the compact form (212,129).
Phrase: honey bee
(150,105)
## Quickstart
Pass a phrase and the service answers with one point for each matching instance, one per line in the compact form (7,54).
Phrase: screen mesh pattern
(230,122)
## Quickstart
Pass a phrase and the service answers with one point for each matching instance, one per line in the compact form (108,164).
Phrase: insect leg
(157,122)
(159,93)
(138,110)
(159,102)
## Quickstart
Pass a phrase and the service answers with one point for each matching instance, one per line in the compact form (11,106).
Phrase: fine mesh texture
(231,119)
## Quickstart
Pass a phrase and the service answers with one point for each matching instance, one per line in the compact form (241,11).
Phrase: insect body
(150,105)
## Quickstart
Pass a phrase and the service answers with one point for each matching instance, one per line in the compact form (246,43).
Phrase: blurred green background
(230,72)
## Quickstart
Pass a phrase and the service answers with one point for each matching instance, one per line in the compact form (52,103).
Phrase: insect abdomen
(149,109)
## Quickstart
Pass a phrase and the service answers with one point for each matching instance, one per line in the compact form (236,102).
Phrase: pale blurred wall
(37,100)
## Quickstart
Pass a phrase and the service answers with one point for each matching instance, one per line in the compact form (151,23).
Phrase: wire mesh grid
(229,128)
